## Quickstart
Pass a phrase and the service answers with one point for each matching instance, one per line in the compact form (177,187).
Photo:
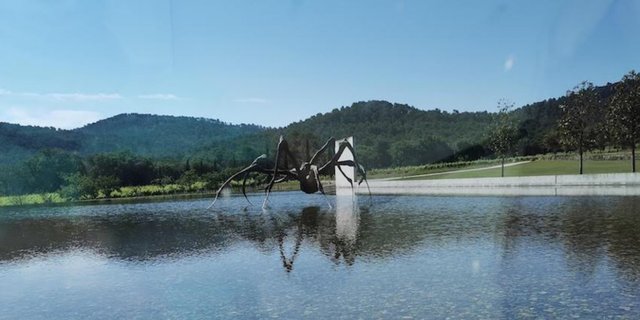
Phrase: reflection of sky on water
(486,257)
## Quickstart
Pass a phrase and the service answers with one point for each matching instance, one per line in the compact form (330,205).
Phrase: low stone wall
(592,184)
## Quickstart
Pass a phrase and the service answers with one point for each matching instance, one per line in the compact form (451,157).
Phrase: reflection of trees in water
(624,240)
(147,236)
(585,238)
(589,231)
(129,237)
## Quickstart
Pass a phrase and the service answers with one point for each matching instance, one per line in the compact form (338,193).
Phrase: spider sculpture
(288,168)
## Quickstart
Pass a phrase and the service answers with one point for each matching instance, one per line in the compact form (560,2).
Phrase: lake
(384,257)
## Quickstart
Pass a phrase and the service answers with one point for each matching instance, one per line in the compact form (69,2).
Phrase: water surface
(391,257)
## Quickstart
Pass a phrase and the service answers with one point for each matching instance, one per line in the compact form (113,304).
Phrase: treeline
(96,176)
(197,154)
(586,118)
(590,120)
(392,134)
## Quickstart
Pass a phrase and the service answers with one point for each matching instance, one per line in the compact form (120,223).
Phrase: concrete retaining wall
(592,184)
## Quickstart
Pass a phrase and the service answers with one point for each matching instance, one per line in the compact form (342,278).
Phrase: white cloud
(75,97)
(508,64)
(63,119)
(251,100)
(159,96)
(83,97)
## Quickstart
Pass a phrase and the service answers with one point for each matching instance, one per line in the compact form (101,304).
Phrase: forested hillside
(538,122)
(18,143)
(397,134)
(157,136)
(145,135)
(137,149)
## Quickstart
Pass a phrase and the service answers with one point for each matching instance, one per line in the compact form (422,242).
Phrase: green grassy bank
(560,164)
(542,168)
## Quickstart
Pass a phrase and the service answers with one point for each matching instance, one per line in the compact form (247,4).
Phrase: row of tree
(55,170)
(387,135)
(589,119)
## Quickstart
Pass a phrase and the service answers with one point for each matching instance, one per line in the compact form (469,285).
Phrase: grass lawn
(543,167)
(435,168)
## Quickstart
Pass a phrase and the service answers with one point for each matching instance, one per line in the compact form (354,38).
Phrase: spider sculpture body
(287,168)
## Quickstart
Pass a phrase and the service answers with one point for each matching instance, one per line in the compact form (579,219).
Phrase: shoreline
(607,184)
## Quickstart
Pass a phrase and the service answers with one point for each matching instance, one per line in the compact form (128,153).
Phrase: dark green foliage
(386,131)
(44,172)
(582,119)
(469,151)
(124,167)
(146,135)
(503,133)
(624,114)
(417,152)
(157,136)
(17,143)
(49,168)
(535,121)
(79,186)
(134,149)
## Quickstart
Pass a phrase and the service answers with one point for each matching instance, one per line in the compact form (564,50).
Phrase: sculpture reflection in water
(335,241)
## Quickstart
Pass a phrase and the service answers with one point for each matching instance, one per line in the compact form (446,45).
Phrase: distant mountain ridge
(154,136)
(387,134)
(158,135)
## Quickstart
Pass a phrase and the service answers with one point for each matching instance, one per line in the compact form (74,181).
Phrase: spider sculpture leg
(244,183)
(278,180)
(329,143)
(314,169)
(361,172)
(288,262)
(244,171)
(345,145)
(282,151)
(258,165)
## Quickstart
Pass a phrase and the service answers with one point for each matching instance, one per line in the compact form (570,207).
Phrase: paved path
(454,171)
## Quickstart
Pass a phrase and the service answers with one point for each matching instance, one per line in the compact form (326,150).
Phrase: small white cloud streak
(83,97)
(63,119)
(75,97)
(251,100)
(508,64)
(159,96)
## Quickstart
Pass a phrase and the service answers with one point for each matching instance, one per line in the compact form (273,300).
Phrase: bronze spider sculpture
(288,168)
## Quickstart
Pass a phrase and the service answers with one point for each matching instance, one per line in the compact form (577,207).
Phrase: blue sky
(67,63)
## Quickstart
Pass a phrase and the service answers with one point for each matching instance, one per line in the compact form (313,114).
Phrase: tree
(50,167)
(623,117)
(581,121)
(503,132)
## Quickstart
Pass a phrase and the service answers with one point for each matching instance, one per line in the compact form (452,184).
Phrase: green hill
(397,134)
(18,143)
(388,134)
(157,136)
(141,134)
(194,154)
